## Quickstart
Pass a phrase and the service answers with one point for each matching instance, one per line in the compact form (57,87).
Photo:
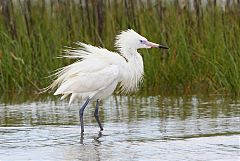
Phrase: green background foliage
(204,43)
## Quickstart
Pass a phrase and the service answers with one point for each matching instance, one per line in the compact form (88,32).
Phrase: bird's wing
(83,82)
(90,60)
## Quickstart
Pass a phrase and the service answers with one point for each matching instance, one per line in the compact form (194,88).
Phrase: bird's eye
(141,41)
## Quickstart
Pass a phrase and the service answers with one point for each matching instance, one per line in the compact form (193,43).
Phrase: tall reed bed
(204,43)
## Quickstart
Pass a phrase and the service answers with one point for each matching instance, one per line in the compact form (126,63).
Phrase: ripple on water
(154,128)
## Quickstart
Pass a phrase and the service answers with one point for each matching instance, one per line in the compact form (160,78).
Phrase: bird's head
(129,39)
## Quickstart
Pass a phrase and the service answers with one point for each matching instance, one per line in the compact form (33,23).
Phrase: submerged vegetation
(204,42)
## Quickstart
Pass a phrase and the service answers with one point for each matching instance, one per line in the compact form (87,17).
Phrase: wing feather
(89,82)
(90,59)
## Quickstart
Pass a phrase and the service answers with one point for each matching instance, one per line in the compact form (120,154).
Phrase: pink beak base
(154,45)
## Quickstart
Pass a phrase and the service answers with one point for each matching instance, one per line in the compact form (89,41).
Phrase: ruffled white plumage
(97,72)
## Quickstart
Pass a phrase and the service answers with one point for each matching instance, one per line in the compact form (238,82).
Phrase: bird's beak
(154,45)
(163,47)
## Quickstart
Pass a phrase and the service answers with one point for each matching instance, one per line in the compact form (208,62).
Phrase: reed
(204,43)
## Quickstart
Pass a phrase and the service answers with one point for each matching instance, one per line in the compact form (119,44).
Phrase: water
(135,128)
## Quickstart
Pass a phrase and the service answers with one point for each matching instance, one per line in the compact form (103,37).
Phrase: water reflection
(95,138)
(135,128)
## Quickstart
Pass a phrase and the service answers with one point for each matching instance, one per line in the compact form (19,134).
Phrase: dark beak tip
(163,47)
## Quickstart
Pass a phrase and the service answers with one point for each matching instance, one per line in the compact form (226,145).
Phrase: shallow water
(135,128)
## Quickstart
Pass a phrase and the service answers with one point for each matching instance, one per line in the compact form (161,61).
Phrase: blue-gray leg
(97,116)
(81,110)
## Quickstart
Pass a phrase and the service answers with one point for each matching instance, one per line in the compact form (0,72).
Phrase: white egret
(97,71)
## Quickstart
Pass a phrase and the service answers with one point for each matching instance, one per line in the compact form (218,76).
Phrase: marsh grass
(204,53)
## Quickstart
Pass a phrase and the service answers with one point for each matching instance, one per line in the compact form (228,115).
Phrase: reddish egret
(97,71)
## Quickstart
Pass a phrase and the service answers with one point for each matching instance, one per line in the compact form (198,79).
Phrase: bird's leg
(97,116)
(81,110)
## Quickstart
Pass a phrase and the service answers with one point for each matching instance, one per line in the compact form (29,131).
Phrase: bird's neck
(134,67)
(130,55)
(133,58)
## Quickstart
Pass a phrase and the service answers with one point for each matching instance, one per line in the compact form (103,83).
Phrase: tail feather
(63,73)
